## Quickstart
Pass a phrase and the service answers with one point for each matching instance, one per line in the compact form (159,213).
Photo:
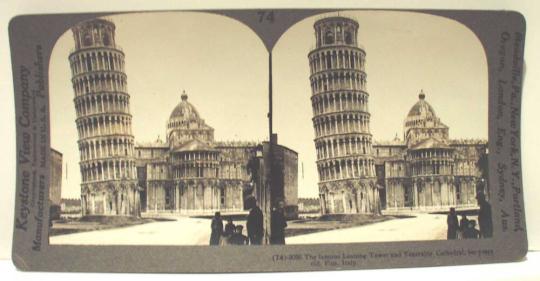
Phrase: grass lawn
(90,223)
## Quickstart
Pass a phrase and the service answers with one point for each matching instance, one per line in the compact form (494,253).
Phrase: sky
(222,66)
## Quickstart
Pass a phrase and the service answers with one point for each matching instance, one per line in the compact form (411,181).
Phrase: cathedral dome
(422,108)
(184,111)
(185,124)
(422,123)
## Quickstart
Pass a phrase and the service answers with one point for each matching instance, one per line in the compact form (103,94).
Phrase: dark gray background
(28,31)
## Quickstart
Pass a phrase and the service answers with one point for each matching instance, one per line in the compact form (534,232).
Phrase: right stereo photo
(388,112)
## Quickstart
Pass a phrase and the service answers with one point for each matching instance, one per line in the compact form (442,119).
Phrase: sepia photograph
(174,128)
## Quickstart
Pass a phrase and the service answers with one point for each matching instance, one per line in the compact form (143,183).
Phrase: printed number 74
(266,16)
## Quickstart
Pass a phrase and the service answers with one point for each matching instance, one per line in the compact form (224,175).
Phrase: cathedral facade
(427,170)
(191,173)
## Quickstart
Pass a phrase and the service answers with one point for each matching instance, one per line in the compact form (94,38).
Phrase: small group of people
(232,234)
(466,228)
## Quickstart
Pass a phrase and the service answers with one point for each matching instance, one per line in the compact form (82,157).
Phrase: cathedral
(428,170)
(188,173)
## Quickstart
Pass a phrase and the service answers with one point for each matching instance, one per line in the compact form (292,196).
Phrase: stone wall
(286,179)
(55,180)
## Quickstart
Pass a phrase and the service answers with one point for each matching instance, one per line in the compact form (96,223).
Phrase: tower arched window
(329,37)
(88,63)
(348,37)
(111,64)
(328,62)
(106,39)
(87,39)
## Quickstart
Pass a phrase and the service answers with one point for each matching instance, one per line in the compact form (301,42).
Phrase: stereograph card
(267,140)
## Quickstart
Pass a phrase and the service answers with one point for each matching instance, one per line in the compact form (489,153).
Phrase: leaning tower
(341,119)
(106,143)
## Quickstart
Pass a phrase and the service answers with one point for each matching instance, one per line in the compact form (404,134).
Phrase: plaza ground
(419,227)
(196,231)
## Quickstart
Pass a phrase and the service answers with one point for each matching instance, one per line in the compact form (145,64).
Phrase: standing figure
(229,228)
(452,222)
(278,224)
(254,224)
(471,232)
(237,238)
(217,229)
(484,216)
(463,223)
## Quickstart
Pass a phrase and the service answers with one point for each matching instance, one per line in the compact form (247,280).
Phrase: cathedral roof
(158,143)
(430,143)
(395,142)
(194,145)
(184,110)
(422,108)
(389,143)
(468,142)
